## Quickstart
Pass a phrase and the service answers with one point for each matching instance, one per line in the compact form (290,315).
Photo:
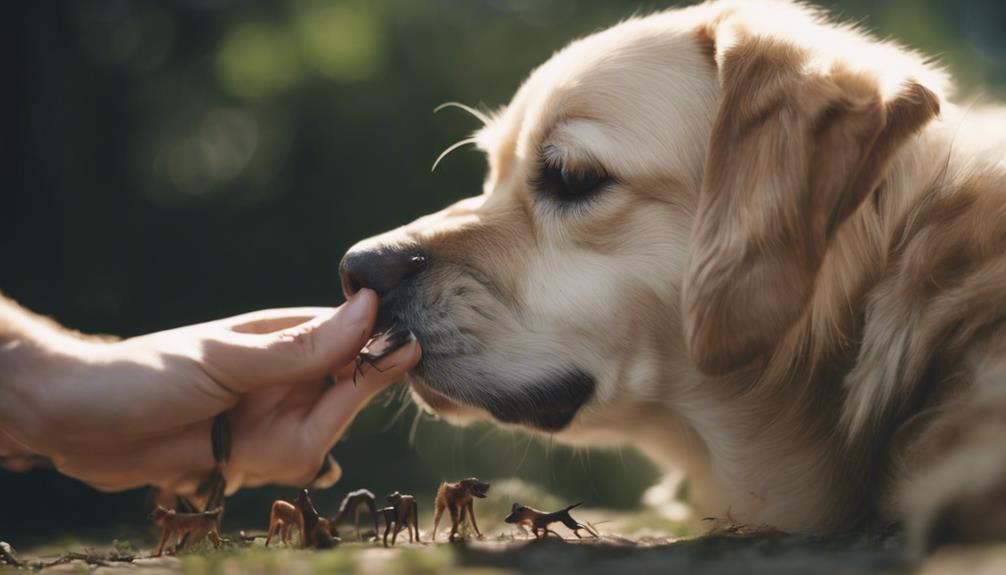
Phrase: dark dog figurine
(539,521)
(315,530)
(458,498)
(404,514)
(351,505)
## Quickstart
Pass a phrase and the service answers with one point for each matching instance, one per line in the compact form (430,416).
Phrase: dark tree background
(172,162)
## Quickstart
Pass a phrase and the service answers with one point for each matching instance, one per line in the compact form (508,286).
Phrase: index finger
(269,320)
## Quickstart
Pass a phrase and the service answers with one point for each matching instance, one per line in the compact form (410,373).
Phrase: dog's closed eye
(557,182)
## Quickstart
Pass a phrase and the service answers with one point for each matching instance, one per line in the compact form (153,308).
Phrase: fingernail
(355,310)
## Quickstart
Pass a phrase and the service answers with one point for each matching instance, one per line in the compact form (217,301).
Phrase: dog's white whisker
(450,149)
(404,404)
(479,115)
(489,433)
(413,430)
(527,447)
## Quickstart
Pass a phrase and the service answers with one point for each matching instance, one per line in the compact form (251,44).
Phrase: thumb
(305,352)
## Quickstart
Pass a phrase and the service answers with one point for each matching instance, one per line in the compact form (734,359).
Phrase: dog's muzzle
(454,364)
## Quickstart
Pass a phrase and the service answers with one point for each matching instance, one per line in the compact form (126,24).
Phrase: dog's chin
(441,405)
(563,396)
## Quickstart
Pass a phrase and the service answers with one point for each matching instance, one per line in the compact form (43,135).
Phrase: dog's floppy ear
(800,139)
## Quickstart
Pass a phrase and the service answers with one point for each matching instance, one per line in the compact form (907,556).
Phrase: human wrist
(36,355)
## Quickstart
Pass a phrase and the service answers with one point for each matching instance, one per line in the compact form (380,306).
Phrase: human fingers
(269,320)
(307,351)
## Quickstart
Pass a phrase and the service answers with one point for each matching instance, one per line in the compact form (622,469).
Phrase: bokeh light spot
(258,60)
(341,41)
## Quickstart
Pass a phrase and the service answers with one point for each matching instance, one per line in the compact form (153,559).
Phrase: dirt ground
(720,553)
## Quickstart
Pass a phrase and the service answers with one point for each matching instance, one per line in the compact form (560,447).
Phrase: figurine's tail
(573,506)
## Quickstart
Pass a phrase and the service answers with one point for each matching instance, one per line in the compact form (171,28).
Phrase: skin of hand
(139,411)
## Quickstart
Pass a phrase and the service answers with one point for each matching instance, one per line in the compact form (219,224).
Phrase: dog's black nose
(380,269)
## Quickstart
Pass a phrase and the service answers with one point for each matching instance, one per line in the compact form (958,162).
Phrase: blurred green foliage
(171,162)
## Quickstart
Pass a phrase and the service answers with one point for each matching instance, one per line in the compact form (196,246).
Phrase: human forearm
(34,351)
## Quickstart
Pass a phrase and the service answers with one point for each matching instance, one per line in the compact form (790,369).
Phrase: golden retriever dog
(763,247)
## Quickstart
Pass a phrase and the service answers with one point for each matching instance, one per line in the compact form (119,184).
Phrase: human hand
(139,412)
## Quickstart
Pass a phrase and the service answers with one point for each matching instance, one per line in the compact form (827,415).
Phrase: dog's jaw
(465,377)
(556,401)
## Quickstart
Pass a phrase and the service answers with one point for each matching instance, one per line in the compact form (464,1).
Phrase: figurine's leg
(471,517)
(301,529)
(287,531)
(410,521)
(387,529)
(394,534)
(547,531)
(165,534)
(373,515)
(183,541)
(215,538)
(274,527)
(455,520)
(436,519)
(356,521)
(577,533)
(415,522)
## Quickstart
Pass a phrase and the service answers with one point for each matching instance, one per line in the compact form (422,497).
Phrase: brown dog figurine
(402,513)
(458,498)
(324,534)
(539,521)
(351,505)
(190,527)
(282,518)
(315,530)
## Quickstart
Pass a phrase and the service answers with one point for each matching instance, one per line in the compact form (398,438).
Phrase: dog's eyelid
(551,155)
(564,182)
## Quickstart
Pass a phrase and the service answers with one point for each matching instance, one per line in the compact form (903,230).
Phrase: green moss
(259,560)
(425,560)
(343,560)
(651,521)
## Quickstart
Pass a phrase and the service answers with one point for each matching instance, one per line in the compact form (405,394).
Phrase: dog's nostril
(381,269)
(350,285)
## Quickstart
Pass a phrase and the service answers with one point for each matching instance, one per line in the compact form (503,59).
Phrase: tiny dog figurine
(315,530)
(282,518)
(539,521)
(458,498)
(351,505)
(190,527)
(403,513)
